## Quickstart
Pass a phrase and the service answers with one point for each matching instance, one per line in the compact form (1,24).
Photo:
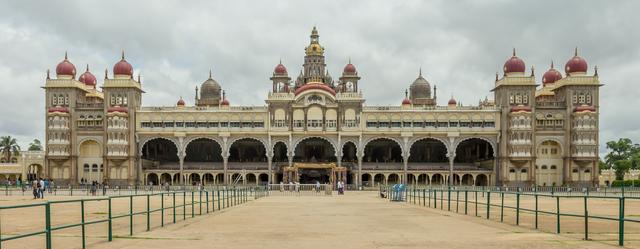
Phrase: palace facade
(317,128)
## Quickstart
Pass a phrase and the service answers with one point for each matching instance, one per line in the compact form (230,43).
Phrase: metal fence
(199,202)
(587,208)
(104,190)
(299,189)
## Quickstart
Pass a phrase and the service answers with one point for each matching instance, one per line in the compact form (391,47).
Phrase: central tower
(314,65)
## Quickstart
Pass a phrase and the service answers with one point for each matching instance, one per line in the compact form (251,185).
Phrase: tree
(620,150)
(621,167)
(36,145)
(9,146)
(602,165)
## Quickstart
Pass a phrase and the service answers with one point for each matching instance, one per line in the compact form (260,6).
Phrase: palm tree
(9,146)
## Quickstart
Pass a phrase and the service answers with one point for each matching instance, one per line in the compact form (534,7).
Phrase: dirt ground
(355,220)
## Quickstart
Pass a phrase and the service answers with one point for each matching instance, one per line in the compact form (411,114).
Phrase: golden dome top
(314,49)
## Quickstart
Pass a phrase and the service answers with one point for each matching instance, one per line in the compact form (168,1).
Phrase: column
(225,160)
(181,170)
(269,170)
(359,177)
(405,163)
(450,177)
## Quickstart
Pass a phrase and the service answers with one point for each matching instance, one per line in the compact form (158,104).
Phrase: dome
(210,89)
(576,64)
(224,102)
(521,108)
(420,88)
(180,102)
(87,78)
(65,67)
(123,67)
(584,108)
(280,69)
(514,65)
(117,109)
(315,85)
(349,68)
(551,76)
(406,101)
(452,101)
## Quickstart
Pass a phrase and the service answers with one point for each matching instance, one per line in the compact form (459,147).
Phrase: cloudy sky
(459,45)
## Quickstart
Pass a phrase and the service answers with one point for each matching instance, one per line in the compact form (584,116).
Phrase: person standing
(41,188)
(34,188)
(317,186)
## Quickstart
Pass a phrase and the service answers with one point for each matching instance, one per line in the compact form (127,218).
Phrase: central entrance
(310,173)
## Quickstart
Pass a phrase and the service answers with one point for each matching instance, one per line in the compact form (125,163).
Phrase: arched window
(553,167)
(544,166)
(523,170)
(575,170)
(512,170)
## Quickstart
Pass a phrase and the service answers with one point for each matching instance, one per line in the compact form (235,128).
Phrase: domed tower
(280,79)
(209,93)
(421,92)
(349,79)
(314,65)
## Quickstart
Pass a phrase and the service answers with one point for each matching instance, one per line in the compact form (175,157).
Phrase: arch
(393,178)
(159,153)
(478,150)
(295,144)
(418,139)
(371,139)
(237,178)
(280,152)
(219,178)
(165,178)
(312,152)
(349,152)
(428,145)
(552,139)
(249,153)
(411,179)
(191,139)
(263,178)
(437,179)
(467,179)
(382,153)
(176,178)
(379,179)
(152,179)
(203,149)
(143,142)
(366,179)
(488,140)
(251,178)
(482,180)
(423,179)
(261,140)
(194,178)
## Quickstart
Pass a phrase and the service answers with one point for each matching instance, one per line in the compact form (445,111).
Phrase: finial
(420,72)
(65,55)
(596,70)
(406,93)
(514,52)
(551,63)
(123,54)
(349,59)
(532,70)
(575,53)
(209,73)
(106,73)
(223,95)
(87,67)
(496,76)
(139,79)
(50,77)
(280,61)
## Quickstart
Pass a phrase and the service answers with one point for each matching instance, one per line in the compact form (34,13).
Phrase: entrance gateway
(309,173)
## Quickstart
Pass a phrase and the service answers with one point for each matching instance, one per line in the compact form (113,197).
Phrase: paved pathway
(357,220)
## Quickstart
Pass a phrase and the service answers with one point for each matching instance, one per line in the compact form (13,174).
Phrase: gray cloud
(173,44)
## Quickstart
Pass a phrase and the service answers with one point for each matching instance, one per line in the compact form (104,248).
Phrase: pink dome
(65,67)
(514,65)
(551,76)
(576,64)
(280,69)
(452,101)
(123,67)
(521,108)
(406,101)
(314,85)
(117,109)
(87,78)
(180,102)
(349,68)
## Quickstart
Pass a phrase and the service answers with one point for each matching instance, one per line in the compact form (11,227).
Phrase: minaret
(314,66)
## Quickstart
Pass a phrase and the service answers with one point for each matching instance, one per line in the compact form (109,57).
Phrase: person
(46,184)
(340,188)
(317,186)
(281,186)
(41,188)
(34,189)
(51,185)
(297,186)
(93,188)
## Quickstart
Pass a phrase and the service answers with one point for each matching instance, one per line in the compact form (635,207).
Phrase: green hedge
(626,183)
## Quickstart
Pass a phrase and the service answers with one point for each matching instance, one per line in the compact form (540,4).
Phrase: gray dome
(210,89)
(420,88)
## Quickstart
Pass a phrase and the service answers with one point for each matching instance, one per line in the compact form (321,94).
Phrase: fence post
(586,220)
(449,198)
(47,224)
(536,209)
(174,207)
(488,203)
(466,200)
(110,229)
(148,214)
(161,209)
(621,222)
(457,201)
(82,223)
(218,190)
(207,199)
(193,208)
(131,215)
(557,214)
(501,206)
(184,204)
(518,208)
(424,197)
(476,202)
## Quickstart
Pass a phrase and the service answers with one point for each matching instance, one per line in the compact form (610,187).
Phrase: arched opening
(549,153)
(207,179)
(34,171)
(393,179)
(437,179)
(366,180)
(152,179)
(314,149)
(475,152)
(423,179)
(165,178)
(237,178)
(411,179)
(482,180)
(251,178)
(280,152)
(90,157)
(379,179)
(428,150)
(194,178)
(263,179)
(160,153)
(456,179)
(247,150)
(202,152)
(383,150)
(176,178)
(349,153)
(219,178)
(467,180)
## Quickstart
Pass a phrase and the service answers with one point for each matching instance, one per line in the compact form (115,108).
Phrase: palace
(316,128)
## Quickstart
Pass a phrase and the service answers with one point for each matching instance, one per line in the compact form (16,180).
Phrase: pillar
(269,171)
(225,161)
(405,163)
(450,177)
(181,170)
(359,177)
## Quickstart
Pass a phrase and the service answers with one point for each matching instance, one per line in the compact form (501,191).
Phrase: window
(55,100)
(86,167)
(190,124)
(331,123)
(234,124)
(257,124)
(588,98)
(146,124)
(179,124)
(553,167)
(372,124)
(575,98)
(94,168)
(297,123)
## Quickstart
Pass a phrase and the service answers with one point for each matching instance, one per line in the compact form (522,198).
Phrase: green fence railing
(489,199)
(204,201)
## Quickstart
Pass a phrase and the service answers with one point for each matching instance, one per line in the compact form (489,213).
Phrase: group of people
(340,187)
(39,186)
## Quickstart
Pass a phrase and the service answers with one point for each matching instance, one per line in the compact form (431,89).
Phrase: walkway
(357,220)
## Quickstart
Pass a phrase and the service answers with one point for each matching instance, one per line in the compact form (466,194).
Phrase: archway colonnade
(253,156)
